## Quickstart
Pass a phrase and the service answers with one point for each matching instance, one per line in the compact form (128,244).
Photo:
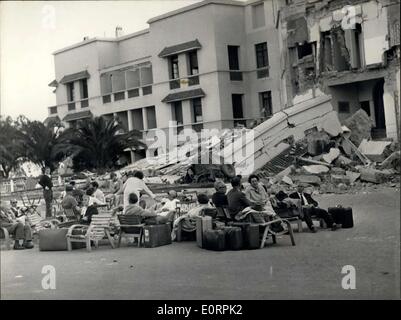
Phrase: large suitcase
(53,239)
(214,240)
(342,216)
(156,235)
(234,239)
(250,234)
(202,224)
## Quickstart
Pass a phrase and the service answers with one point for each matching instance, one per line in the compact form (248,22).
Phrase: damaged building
(348,49)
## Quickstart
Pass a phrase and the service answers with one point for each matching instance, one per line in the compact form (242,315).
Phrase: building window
(197,110)
(365,106)
(237,106)
(137,119)
(147,90)
(70,91)
(262,60)
(84,88)
(106,98)
(344,107)
(151,117)
(266,108)
(119,96)
(174,72)
(133,93)
(258,16)
(53,110)
(233,63)
(176,109)
(192,58)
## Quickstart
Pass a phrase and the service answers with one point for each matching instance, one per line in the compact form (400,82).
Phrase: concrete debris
(360,125)
(353,176)
(332,155)
(311,161)
(374,175)
(392,162)
(338,171)
(376,151)
(317,142)
(343,161)
(332,125)
(308,179)
(336,179)
(287,180)
(316,169)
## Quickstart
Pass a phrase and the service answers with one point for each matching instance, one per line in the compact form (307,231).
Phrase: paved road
(310,270)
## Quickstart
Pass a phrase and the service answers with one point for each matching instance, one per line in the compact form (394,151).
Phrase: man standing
(310,208)
(135,185)
(46,182)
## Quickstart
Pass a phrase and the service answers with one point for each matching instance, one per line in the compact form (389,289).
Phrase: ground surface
(310,270)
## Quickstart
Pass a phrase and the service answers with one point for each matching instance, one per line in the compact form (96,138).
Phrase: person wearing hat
(310,208)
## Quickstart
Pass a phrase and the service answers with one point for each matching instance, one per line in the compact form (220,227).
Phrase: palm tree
(11,151)
(39,141)
(97,143)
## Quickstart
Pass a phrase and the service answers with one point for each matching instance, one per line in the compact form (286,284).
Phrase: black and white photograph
(200,150)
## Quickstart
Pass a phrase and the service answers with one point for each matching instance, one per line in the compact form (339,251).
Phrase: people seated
(92,199)
(285,206)
(98,194)
(14,210)
(87,210)
(187,220)
(310,208)
(69,202)
(22,232)
(148,216)
(219,198)
(115,185)
(135,184)
(169,205)
(257,194)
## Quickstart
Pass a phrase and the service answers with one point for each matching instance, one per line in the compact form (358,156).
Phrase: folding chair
(97,230)
(268,231)
(132,226)
(31,203)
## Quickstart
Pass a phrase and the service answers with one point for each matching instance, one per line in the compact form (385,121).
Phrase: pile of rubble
(337,165)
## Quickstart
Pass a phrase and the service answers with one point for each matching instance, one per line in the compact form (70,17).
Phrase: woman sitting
(187,220)
(136,208)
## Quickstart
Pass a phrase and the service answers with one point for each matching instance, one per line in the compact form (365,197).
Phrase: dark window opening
(151,117)
(262,60)
(266,104)
(197,110)
(365,106)
(84,88)
(176,109)
(344,107)
(133,93)
(147,90)
(193,63)
(305,50)
(237,106)
(53,110)
(70,92)
(119,96)
(174,72)
(107,98)
(233,58)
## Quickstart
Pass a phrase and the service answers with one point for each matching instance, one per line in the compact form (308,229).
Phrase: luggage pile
(212,234)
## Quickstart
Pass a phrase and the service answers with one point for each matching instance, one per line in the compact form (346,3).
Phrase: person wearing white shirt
(135,185)
(98,194)
(170,204)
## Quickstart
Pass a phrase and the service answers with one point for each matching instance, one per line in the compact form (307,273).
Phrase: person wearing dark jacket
(237,200)
(46,182)
(310,208)
(219,198)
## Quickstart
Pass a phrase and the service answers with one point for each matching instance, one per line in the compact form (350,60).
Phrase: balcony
(71,106)
(262,73)
(174,84)
(84,103)
(193,80)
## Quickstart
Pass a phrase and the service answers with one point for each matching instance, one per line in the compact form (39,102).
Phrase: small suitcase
(156,235)
(53,239)
(234,239)
(250,234)
(202,224)
(342,216)
(215,240)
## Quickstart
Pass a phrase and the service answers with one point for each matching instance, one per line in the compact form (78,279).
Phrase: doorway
(379,131)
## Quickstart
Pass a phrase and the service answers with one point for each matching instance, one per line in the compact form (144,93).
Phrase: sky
(30,31)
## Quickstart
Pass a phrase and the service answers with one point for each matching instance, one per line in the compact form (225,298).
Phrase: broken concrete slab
(285,172)
(375,150)
(392,162)
(343,161)
(353,176)
(311,161)
(373,175)
(287,180)
(338,171)
(332,155)
(335,178)
(360,125)
(332,125)
(316,169)
(308,179)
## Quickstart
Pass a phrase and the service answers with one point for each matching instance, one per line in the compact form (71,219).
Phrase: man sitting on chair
(22,232)
(148,216)
(170,205)
(69,202)
(310,208)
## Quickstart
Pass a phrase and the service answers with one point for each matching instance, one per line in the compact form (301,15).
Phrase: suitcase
(214,240)
(202,224)
(250,234)
(234,239)
(156,235)
(342,216)
(53,239)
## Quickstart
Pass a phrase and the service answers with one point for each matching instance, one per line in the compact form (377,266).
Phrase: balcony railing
(84,103)
(262,72)
(71,106)
(193,80)
(174,84)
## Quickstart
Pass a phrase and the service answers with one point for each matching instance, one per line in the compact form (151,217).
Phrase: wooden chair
(131,226)
(269,232)
(97,230)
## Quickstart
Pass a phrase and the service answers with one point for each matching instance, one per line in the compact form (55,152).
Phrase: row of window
(262,61)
